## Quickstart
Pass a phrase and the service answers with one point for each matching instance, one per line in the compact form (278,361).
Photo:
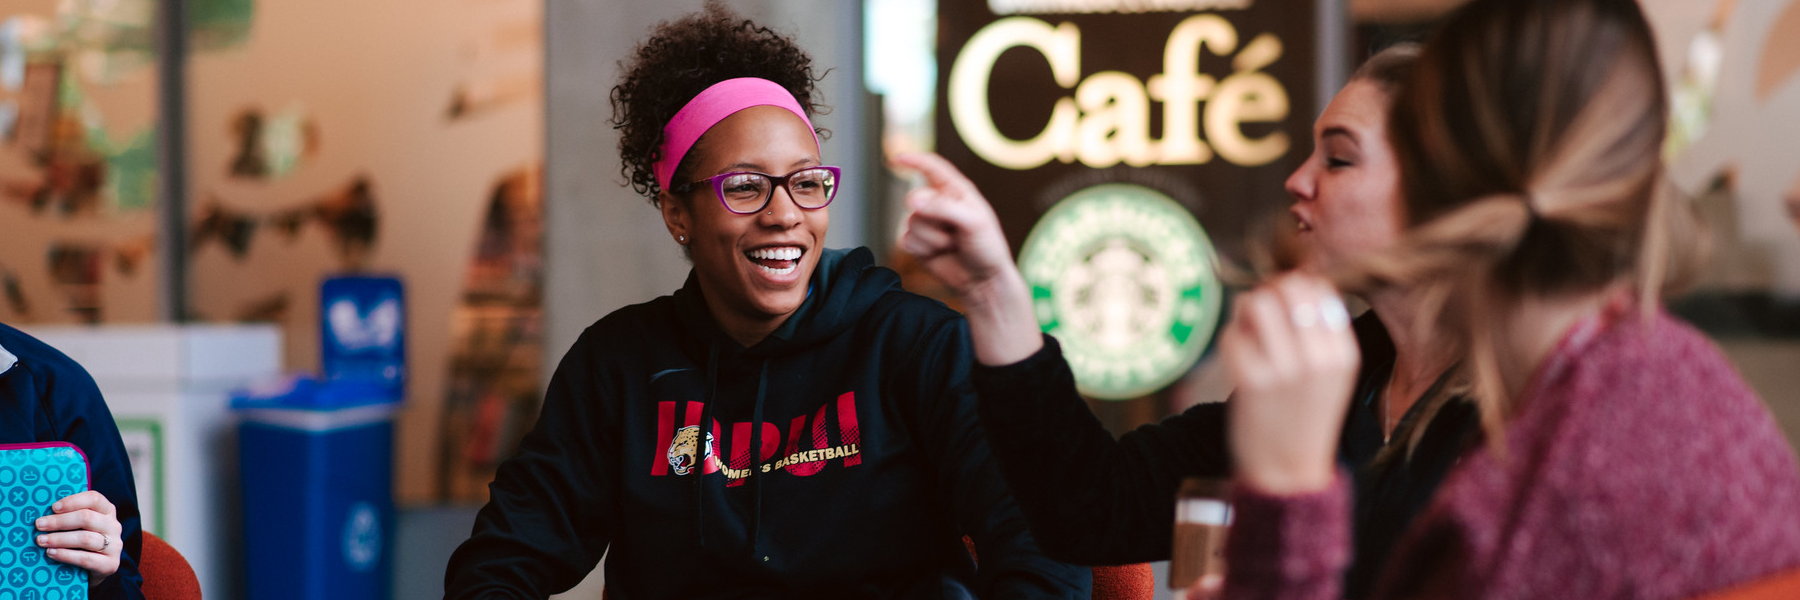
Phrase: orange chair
(167,574)
(1784,585)
(1125,582)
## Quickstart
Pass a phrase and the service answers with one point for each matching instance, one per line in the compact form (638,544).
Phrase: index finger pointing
(938,172)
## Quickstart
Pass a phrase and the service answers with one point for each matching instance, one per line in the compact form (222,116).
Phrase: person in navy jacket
(46,397)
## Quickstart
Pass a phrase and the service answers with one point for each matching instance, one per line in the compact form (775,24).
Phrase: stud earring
(681,238)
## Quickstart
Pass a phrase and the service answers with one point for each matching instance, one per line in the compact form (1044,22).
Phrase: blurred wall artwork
(496,350)
(322,138)
(1734,146)
(382,137)
(1733,69)
(1734,75)
(78,167)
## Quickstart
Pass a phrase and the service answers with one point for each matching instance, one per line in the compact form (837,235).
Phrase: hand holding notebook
(59,535)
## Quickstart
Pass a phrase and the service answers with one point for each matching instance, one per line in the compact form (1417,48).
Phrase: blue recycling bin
(317,468)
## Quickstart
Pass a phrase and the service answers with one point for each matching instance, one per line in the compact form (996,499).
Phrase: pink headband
(713,104)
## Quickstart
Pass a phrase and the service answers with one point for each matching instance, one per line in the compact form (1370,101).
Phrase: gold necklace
(1386,433)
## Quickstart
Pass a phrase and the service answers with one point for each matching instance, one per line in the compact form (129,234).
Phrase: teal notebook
(32,477)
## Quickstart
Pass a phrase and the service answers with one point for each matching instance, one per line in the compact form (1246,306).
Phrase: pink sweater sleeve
(1289,547)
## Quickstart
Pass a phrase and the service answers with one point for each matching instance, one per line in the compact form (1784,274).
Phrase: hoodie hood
(844,286)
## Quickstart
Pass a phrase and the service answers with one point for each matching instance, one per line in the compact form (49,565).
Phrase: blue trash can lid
(305,392)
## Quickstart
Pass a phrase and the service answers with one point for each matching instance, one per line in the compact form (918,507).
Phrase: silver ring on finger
(1333,313)
(1304,315)
(104,542)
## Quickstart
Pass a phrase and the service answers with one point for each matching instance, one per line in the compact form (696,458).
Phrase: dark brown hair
(684,57)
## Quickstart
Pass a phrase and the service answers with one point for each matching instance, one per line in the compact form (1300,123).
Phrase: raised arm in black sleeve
(1011,563)
(547,520)
(1091,499)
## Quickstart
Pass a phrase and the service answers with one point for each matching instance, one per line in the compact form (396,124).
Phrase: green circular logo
(1123,277)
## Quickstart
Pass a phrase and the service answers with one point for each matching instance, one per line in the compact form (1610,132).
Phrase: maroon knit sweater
(1639,465)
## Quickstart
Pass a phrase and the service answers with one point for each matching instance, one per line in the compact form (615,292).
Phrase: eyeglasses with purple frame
(748,192)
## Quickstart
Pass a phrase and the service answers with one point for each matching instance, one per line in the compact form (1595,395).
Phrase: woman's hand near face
(83,531)
(956,236)
(1293,358)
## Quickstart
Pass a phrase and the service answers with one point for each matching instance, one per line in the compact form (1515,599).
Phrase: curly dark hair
(683,58)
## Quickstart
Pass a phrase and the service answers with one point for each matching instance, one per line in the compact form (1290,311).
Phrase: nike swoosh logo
(663,372)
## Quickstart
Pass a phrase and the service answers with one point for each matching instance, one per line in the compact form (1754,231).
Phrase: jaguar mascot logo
(681,451)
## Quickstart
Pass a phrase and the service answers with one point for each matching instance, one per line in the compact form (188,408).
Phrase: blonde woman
(1623,457)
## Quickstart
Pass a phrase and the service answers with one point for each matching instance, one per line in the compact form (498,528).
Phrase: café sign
(1107,119)
(1126,145)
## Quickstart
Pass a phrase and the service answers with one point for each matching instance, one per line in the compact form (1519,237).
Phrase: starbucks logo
(1123,277)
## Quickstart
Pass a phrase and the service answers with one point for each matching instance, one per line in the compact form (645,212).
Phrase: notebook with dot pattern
(32,477)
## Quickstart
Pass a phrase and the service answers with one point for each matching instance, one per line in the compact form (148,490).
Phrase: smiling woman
(754,244)
(790,423)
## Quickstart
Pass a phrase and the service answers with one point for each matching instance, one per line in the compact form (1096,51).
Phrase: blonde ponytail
(1529,139)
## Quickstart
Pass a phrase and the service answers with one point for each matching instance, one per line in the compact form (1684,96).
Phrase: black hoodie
(872,464)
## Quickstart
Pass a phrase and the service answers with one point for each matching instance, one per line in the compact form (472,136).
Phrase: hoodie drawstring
(756,420)
(754,473)
(705,441)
